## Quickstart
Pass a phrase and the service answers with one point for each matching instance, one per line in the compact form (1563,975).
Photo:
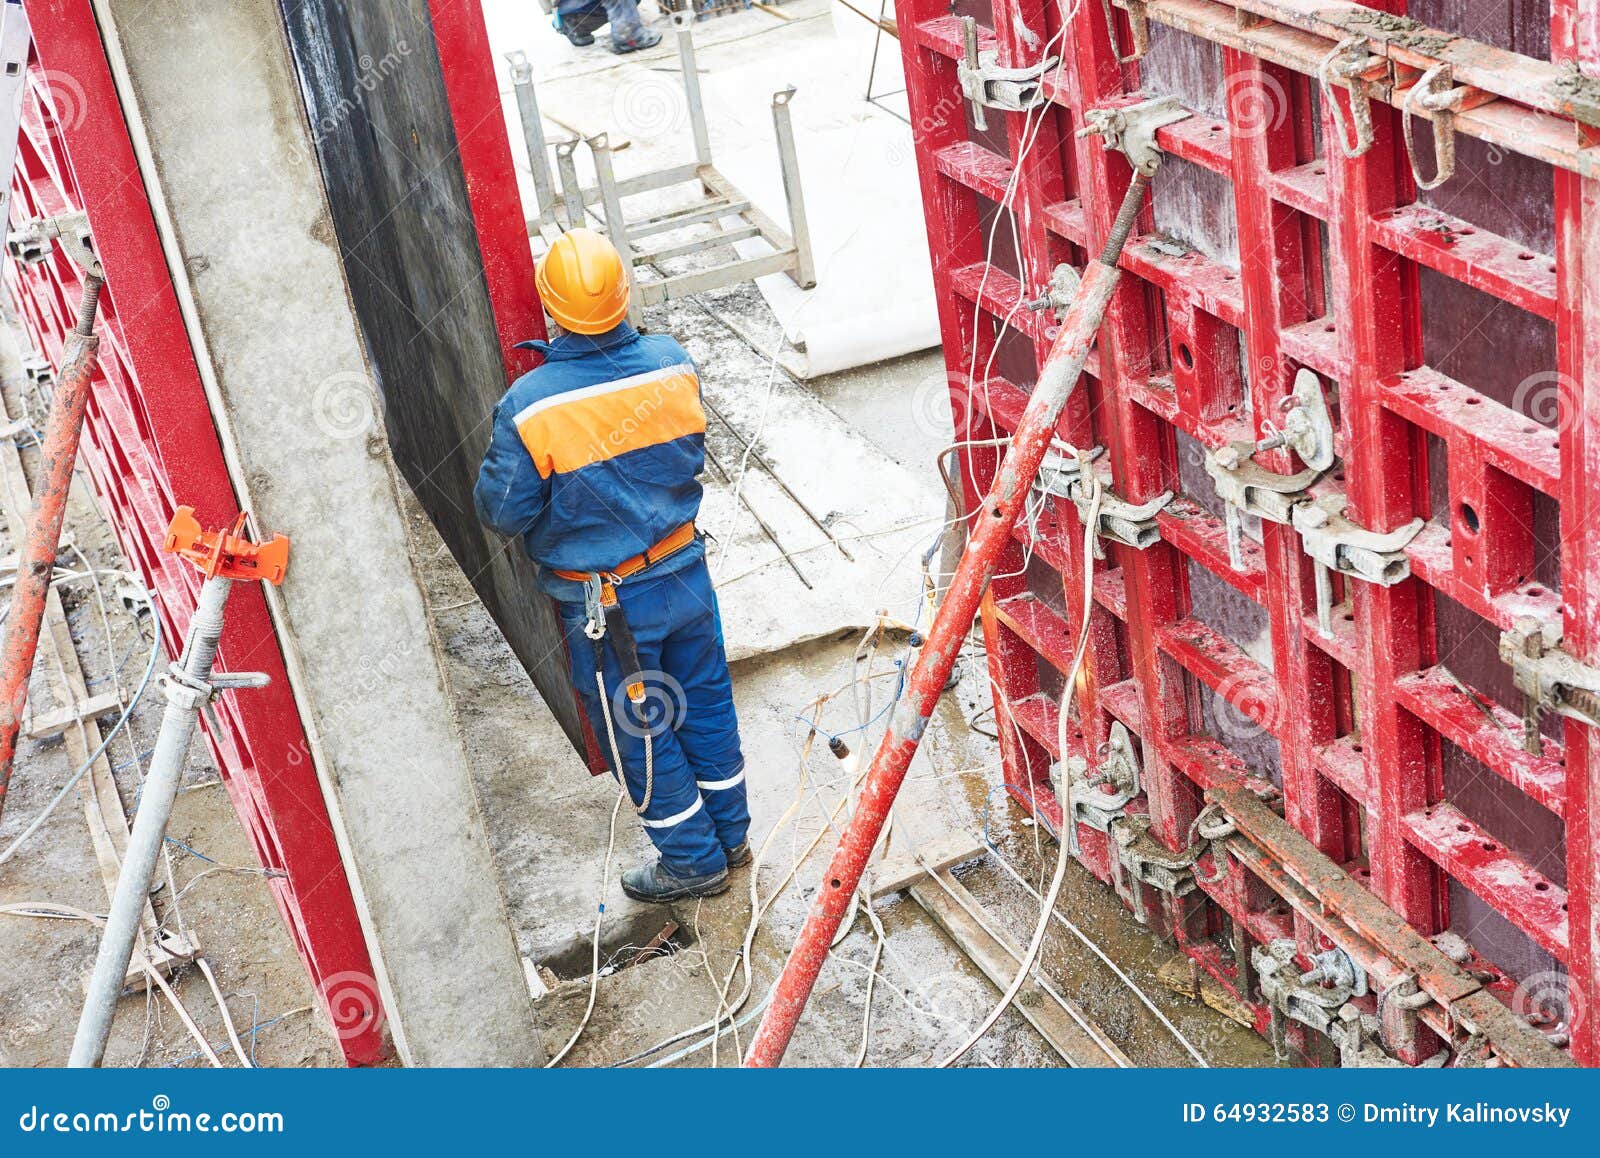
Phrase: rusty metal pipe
(37,552)
(990,533)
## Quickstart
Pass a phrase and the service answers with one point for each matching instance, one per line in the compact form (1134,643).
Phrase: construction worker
(593,463)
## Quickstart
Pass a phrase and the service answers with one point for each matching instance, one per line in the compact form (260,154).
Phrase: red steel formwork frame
(1198,351)
(150,445)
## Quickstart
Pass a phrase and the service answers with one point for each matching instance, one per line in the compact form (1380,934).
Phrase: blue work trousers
(698,806)
(622,15)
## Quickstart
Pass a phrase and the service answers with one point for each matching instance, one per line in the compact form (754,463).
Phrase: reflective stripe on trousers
(698,806)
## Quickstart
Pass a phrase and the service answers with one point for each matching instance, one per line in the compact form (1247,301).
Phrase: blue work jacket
(594,454)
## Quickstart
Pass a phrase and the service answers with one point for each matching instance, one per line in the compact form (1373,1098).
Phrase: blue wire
(190,851)
(218,1047)
(132,760)
(899,690)
(1037,815)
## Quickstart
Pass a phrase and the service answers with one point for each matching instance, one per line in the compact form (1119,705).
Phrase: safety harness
(606,620)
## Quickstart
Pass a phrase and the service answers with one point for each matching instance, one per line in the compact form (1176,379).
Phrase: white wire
(122,720)
(1144,998)
(605,879)
(1033,120)
(1062,855)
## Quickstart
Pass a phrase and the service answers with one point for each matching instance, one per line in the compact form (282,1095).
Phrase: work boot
(652,882)
(644,38)
(579,30)
(738,854)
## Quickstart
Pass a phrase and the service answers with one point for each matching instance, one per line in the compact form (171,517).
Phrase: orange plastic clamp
(227,553)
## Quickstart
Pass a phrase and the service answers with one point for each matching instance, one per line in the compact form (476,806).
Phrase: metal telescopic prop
(990,532)
(37,560)
(189,686)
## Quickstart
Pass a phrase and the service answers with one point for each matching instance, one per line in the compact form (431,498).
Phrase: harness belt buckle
(593,606)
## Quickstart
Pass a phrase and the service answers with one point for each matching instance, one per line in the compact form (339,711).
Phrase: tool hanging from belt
(607,620)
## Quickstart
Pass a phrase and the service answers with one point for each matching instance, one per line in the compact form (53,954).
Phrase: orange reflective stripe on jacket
(568,431)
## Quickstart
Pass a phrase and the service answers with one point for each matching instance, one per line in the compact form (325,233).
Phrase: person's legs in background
(628,33)
(578,20)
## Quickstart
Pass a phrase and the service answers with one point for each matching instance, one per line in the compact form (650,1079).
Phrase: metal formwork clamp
(1131,524)
(1131,129)
(1058,294)
(1353,67)
(1119,764)
(1337,544)
(1100,799)
(29,243)
(1213,826)
(1061,468)
(1357,1035)
(1248,488)
(1149,861)
(1435,96)
(1290,997)
(984,84)
(37,369)
(1061,474)
(1549,678)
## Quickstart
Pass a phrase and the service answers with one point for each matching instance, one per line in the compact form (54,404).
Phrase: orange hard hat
(582,283)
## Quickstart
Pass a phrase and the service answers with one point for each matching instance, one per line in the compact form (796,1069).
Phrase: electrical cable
(600,914)
(122,720)
(1090,521)
(1143,997)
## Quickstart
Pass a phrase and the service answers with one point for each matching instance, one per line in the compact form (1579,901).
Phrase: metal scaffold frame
(1321,903)
(638,239)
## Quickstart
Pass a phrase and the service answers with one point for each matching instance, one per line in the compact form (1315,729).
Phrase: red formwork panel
(1450,331)
(149,445)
